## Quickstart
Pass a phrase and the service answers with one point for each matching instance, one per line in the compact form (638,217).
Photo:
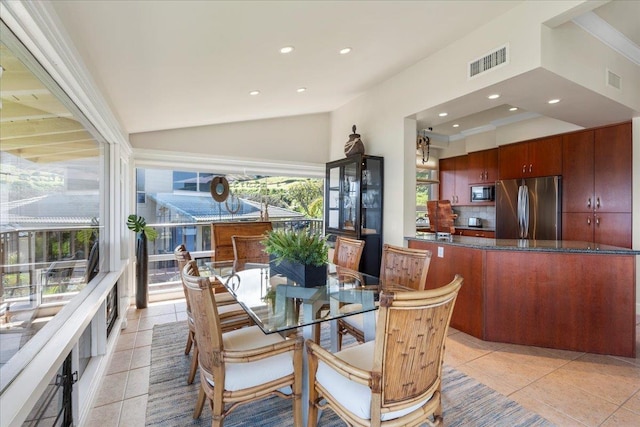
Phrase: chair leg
(194,365)
(187,348)
(199,404)
(316,333)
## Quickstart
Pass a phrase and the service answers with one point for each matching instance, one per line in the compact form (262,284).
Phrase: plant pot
(142,276)
(308,276)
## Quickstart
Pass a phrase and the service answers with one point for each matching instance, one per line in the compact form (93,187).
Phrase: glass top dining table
(279,304)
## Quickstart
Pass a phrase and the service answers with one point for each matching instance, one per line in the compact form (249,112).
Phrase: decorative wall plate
(219,189)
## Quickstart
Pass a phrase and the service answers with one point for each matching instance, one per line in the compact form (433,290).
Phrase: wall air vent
(489,61)
(613,79)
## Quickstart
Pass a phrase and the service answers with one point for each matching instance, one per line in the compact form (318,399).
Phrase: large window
(52,182)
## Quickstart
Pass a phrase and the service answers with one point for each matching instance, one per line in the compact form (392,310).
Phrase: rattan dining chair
(232,314)
(243,365)
(347,253)
(396,379)
(248,249)
(400,266)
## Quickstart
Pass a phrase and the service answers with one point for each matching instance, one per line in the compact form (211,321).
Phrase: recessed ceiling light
(301,89)
(456,125)
(254,92)
(345,50)
(513,109)
(494,96)
(553,101)
(443,114)
(286,49)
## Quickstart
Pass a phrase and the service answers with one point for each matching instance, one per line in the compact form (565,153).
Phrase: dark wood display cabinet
(353,205)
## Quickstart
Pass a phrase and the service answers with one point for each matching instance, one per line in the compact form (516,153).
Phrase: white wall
(301,139)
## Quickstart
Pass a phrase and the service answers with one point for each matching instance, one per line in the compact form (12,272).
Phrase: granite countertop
(568,246)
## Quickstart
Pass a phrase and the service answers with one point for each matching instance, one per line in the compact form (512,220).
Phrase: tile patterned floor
(567,388)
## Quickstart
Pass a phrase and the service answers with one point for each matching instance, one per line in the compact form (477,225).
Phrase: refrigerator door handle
(523,211)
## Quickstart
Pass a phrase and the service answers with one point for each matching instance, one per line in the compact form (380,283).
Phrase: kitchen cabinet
(476,233)
(454,183)
(596,185)
(535,158)
(353,205)
(483,166)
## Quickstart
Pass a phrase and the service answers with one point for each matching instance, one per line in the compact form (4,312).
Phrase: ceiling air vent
(489,61)
(613,79)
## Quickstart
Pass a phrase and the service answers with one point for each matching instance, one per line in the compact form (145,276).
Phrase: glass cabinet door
(371,188)
(343,197)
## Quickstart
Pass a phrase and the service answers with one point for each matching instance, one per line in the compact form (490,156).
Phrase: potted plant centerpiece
(139,225)
(299,255)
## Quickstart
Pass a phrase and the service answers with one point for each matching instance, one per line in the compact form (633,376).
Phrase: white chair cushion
(357,320)
(355,396)
(223,309)
(244,375)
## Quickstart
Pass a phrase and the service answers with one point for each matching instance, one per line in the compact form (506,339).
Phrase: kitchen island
(568,295)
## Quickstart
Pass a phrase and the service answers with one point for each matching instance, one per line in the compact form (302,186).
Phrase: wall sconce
(423,143)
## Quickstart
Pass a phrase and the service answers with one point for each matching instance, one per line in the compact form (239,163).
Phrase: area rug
(466,402)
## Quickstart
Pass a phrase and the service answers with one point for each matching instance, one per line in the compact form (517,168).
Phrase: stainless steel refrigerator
(529,208)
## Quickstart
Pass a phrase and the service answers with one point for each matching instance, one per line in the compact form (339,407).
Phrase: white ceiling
(173,64)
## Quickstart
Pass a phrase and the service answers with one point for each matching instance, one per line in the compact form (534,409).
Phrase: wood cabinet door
(545,157)
(577,172)
(578,226)
(476,170)
(483,166)
(462,183)
(613,229)
(491,165)
(512,159)
(447,178)
(613,168)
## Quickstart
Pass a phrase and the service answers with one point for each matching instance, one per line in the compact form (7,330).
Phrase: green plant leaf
(298,246)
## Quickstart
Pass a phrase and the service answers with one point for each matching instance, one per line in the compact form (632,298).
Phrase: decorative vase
(354,145)
(308,276)
(142,270)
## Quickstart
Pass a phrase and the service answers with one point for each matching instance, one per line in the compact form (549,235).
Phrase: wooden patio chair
(232,314)
(405,267)
(394,380)
(243,365)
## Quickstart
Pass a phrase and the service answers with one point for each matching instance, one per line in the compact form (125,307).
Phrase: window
(426,186)
(53,169)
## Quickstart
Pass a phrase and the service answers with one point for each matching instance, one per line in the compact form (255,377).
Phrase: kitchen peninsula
(569,295)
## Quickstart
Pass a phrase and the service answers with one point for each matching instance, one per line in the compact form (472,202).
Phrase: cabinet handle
(588,221)
(524,168)
(598,221)
(530,167)
(598,202)
(589,202)
(481,176)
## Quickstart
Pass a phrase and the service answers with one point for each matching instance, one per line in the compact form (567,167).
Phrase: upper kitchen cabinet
(535,158)
(353,205)
(454,183)
(483,166)
(596,185)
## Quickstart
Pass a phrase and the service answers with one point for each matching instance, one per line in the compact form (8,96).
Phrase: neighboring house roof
(202,208)
(50,210)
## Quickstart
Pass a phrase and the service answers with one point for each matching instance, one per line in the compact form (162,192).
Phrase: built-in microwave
(483,193)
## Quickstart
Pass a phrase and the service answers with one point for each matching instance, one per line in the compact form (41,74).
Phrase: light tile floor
(567,388)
